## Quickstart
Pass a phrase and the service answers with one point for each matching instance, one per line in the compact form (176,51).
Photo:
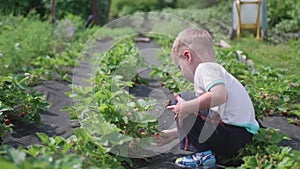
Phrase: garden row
(30,54)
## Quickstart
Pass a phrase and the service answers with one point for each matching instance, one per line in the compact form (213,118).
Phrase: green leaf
(8,165)
(16,156)
(250,162)
(66,109)
(70,162)
(6,79)
(116,93)
(154,72)
(118,139)
(282,109)
(45,139)
(34,150)
(296,112)
(4,108)
(60,141)
(66,147)
(80,133)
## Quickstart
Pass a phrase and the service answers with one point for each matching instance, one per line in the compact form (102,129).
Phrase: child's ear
(188,55)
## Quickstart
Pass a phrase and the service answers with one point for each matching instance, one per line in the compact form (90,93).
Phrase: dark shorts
(206,131)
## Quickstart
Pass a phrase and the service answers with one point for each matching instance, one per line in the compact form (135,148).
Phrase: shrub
(62,7)
(126,7)
(21,7)
(284,15)
(197,3)
(21,40)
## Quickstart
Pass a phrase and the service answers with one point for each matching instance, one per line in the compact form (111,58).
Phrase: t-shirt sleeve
(208,75)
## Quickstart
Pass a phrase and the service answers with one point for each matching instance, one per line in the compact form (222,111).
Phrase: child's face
(187,63)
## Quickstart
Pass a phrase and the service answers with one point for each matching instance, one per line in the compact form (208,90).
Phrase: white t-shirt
(238,110)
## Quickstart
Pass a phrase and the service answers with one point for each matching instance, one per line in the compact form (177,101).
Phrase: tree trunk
(52,11)
(96,18)
(101,11)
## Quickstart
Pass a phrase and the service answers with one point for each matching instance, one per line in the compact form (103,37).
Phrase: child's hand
(177,109)
(166,136)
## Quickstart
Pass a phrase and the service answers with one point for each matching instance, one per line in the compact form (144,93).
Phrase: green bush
(21,40)
(196,4)
(284,15)
(21,7)
(81,8)
(125,7)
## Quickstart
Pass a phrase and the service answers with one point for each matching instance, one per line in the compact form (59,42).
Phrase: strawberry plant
(77,151)
(18,101)
(263,152)
(108,113)
(277,157)
(57,65)
(5,124)
(270,91)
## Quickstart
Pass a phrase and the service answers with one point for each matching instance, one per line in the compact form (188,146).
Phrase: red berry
(156,134)
(267,111)
(7,121)
(264,96)
(141,131)
(22,114)
(284,113)
(162,84)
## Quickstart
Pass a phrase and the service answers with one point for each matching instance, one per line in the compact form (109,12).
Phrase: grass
(281,56)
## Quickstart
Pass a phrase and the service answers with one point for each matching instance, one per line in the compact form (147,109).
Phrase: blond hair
(197,40)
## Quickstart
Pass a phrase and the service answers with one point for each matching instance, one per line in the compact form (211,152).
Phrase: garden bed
(56,122)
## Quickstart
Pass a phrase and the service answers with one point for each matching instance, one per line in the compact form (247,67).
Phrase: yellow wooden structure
(256,25)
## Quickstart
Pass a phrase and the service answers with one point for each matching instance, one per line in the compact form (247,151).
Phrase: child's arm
(217,95)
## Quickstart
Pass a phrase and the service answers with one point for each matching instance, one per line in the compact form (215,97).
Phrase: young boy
(220,118)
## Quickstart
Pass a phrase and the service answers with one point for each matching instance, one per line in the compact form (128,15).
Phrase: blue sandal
(203,160)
